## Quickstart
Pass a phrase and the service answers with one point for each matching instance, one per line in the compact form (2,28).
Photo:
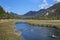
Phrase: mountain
(34,13)
(6,15)
(41,12)
(52,12)
(30,13)
(14,14)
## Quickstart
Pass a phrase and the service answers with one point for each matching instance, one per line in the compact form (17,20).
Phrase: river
(35,32)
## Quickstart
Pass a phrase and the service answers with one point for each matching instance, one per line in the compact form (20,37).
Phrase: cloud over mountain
(57,0)
(44,5)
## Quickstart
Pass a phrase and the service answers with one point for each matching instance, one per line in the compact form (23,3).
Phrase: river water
(35,32)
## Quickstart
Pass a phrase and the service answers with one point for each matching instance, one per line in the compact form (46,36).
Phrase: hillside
(54,11)
(6,15)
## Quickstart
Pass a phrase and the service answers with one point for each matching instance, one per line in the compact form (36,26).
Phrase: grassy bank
(47,23)
(7,30)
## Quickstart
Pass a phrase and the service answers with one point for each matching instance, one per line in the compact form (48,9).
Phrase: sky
(23,6)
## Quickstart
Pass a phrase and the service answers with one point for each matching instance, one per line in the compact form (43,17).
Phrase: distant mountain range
(35,13)
(31,14)
(52,12)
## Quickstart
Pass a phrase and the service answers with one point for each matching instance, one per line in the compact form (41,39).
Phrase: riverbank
(8,31)
(45,23)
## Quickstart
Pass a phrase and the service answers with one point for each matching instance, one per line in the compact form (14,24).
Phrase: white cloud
(57,1)
(44,5)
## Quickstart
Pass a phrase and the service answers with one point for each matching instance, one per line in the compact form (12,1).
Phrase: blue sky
(23,6)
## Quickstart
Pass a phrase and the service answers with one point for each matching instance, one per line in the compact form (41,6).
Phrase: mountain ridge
(52,12)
